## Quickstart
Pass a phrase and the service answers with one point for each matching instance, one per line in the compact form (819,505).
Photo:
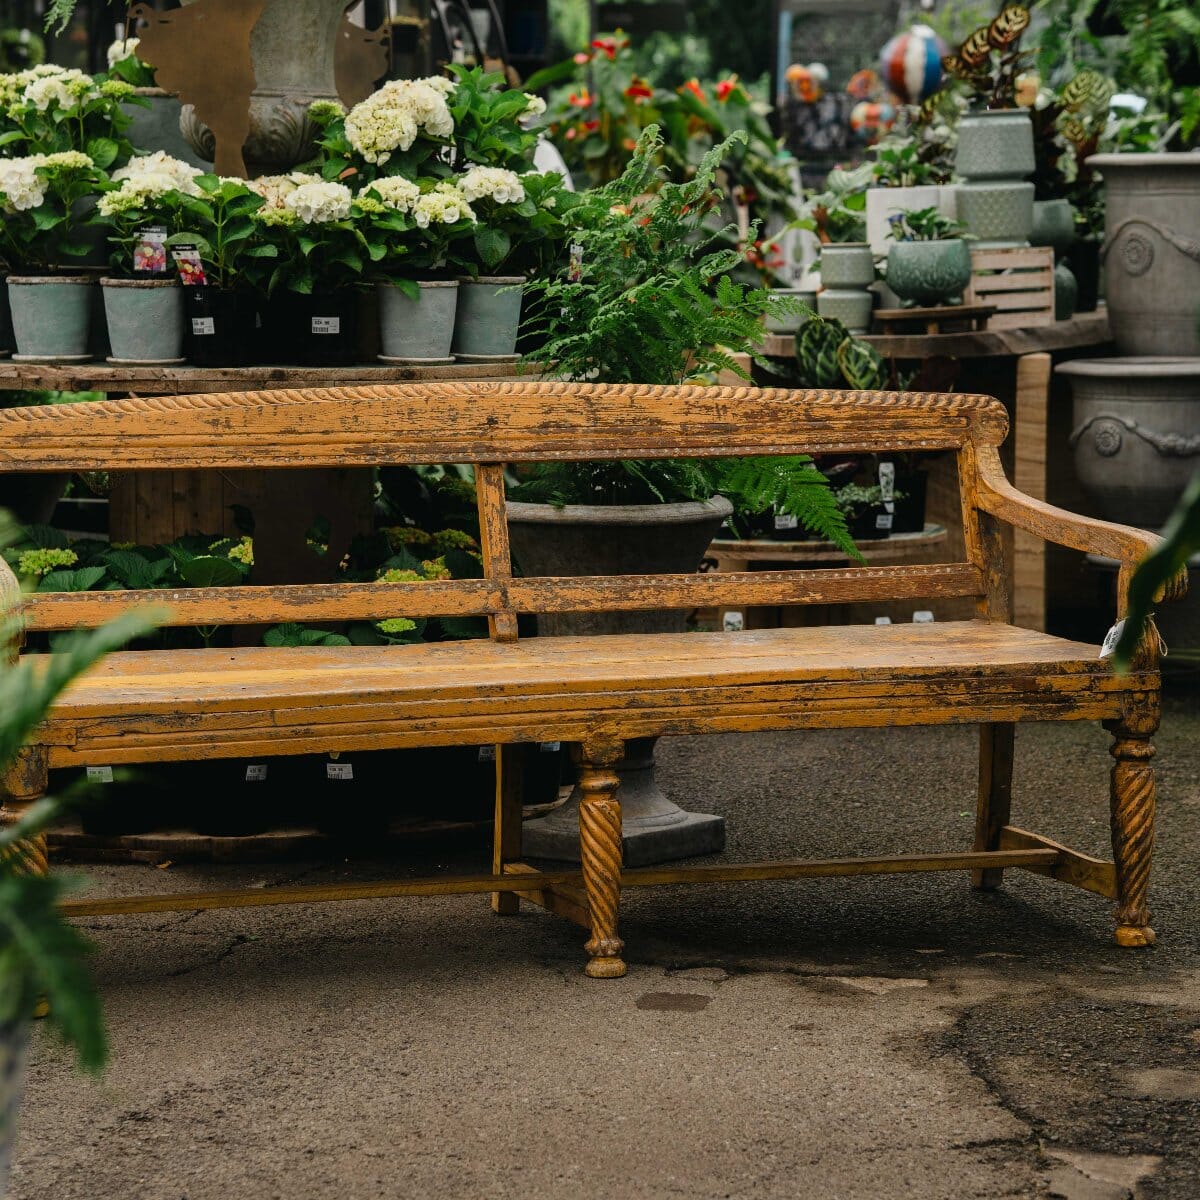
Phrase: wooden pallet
(941,318)
(1018,281)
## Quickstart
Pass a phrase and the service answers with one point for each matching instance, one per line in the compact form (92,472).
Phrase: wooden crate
(1018,281)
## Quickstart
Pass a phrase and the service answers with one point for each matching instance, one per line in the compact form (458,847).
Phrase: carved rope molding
(1139,253)
(1108,439)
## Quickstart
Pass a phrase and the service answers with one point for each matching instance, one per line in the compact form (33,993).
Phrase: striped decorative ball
(912,63)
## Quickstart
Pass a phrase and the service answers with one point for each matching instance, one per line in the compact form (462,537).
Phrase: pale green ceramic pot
(790,322)
(1066,292)
(1053,225)
(421,330)
(929,273)
(851,306)
(51,316)
(145,321)
(847,264)
(488,316)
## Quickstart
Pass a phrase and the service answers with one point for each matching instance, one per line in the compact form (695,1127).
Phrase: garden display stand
(599,692)
(941,318)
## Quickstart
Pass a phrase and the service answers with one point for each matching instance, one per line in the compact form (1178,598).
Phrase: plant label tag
(326,325)
(883,620)
(786,521)
(99,775)
(887,482)
(550,747)
(339,770)
(922,616)
(150,251)
(203,327)
(1111,638)
(256,772)
(190,266)
(734,622)
(883,520)
(487,753)
(575,263)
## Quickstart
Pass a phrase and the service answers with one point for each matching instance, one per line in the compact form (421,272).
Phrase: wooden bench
(595,692)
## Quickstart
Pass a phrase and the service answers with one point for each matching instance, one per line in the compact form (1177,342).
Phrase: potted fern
(645,300)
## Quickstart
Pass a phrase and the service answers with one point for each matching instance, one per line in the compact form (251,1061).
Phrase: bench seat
(140,706)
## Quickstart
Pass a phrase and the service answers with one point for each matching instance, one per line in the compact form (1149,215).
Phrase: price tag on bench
(487,754)
(339,770)
(256,772)
(734,622)
(99,775)
(1111,638)
(326,325)
(550,747)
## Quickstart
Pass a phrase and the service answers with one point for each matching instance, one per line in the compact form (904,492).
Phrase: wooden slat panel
(482,422)
(481,597)
(493,537)
(540,880)
(1021,281)
(1025,301)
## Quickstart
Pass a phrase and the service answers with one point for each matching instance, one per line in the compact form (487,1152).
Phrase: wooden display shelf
(100,376)
(934,320)
(1082,330)
(900,547)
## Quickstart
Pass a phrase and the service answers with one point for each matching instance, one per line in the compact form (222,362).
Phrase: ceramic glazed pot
(51,316)
(157,127)
(847,264)
(639,539)
(994,156)
(488,317)
(1151,252)
(792,321)
(929,273)
(851,306)
(1136,433)
(419,330)
(1066,292)
(145,321)
(1053,225)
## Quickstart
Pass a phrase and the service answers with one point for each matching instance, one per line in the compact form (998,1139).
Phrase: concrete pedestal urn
(632,539)
(1136,433)
(995,157)
(157,127)
(1151,251)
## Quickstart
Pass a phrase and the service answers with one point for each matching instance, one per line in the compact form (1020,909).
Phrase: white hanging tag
(883,620)
(734,622)
(339,770)
(256,772)
(550,747)
(887,482)
(1111,638)
(99,774)
(922,616)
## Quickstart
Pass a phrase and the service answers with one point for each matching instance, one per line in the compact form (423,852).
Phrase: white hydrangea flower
(122,49)
(391,118)
(20,183)
(444,205)
(492,183)
(136,193)
(64,89)
(396,192)
(68,160)
(536,106)
(319,203)
(161,163)
(442,84)
(275,189)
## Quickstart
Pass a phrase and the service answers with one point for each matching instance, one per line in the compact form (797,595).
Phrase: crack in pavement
(240,940)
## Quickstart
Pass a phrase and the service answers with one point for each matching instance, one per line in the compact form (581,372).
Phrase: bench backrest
(489,425)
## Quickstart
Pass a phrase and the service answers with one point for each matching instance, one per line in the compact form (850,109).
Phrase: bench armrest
(11,637)
(1087,534)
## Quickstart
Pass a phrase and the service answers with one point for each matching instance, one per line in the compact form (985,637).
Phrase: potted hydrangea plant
(928,262)
(143,302)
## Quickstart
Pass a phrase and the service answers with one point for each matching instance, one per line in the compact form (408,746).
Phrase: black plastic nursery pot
(220,326)
(909,516)
(1084,260)
(325,328)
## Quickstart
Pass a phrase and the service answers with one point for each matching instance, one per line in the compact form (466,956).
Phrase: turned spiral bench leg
(600,852)
(1133,825)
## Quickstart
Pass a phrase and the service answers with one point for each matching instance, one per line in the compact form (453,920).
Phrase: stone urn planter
(52,317)
(1136,435)
(847,271)
(418,331)
(157,127)
(995,157)
(145,321)
(632,539)
(929,273)
(1151,251)
(488,318)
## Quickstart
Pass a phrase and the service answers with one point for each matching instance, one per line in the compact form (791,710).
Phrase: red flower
(590,126)
(607,46)
(693,86)
(580,99)
(639,89)
(727,87)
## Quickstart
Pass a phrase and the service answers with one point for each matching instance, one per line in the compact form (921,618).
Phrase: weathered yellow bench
(596,692)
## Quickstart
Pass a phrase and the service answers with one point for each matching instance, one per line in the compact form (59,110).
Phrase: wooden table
(1016,366)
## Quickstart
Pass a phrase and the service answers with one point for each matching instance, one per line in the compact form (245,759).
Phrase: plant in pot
(643,301)
(422,226)
(312,251)
(51,304)
(929,262)
(216,254)
(836,216)
(907,177)
(995,138)
(143,302)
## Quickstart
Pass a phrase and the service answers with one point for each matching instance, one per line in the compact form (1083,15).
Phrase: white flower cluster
(275,189)
(163,173)
(444,205)
(66,88)
(321,202)
(122,49)
(396,192)
(21,185)
(391,118)
(536,106)
(492,183)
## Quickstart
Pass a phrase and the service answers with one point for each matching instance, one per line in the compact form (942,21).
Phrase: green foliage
(39,239)
(291,634)
(990,58)
(1181,541)
(220,224)
(838,213)
(924,225)
(829,356)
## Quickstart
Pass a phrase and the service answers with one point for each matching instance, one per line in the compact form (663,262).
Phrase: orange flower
(629,144)
(580,99)
(693,86)
(639,89)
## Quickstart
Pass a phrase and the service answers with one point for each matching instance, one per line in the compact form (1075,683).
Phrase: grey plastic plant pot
(51,316)
(488,316)
(420,330)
